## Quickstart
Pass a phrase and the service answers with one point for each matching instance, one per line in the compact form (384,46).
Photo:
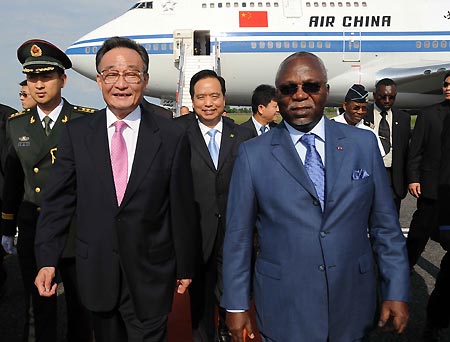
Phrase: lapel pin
(24,138)
(65,119)
(32,120)
(340,148)
(232,135)
(396,122)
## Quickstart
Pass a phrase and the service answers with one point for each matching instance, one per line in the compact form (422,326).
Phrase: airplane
(360,41)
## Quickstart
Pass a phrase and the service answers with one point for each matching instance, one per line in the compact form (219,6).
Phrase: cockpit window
(143,4)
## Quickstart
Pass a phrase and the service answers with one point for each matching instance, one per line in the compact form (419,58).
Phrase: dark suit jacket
(5,111)
(444,186)
(425,149)
(211,185)
(249,124)
(401,131)
(317,274)
(158,110)
(149,239)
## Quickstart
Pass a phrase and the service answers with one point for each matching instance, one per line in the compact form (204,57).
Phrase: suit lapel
(97,146)
(198,143)
(226,143)
(334,154)
(147,146)
(284,151)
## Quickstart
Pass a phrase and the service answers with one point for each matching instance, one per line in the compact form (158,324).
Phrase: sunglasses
(23,94)
(445,84)
(292,88)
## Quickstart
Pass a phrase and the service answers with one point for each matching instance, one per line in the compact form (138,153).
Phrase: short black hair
(121,42)
(385,82)
(262,95)
(206,74)
(23,83)
(446,75)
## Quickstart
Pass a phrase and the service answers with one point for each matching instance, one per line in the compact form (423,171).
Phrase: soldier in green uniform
(31,141)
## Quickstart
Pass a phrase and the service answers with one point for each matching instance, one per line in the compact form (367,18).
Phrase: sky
(60,22)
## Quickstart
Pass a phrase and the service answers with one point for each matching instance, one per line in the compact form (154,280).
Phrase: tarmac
(422,282)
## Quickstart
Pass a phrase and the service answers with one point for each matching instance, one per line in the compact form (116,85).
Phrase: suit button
(218,215)
(316,202)
(323,234)
(37,189)
(322,268)
(36,170)
(38,209)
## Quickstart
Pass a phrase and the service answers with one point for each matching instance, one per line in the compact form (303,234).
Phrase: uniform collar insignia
(64,119)
(32,120)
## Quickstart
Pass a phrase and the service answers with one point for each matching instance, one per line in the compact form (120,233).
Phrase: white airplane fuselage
(359,42)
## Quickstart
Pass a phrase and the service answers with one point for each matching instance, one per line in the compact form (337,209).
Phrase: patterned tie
(384,132)
(213,147)
(119,160)
(47,122)
(314,166)
(263,129)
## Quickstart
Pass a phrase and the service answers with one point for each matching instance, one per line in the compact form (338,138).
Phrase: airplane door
(351,49)
(292,8)
(182,43)
(202,43)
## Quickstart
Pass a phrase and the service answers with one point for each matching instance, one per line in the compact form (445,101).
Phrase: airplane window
(211,5)
(267,4)
(287,45)
(316,4)
(163,47)
(331,4)
(87,50)
(339,4)
(260,4)
(319,45)
(364,4)
(294,45)
(444,44)
(203,5)
(303,45)
(311,45)
(244,4)
(356,4)
(252,4)
(262,45)
(155,47)
(435,45)
(278,45)
(228,5)
(324,4)
(348,4)
(426,45)
(236,4)
(253,45)
(219,5)
(328,45)
(275,4)
(308,4)
(356,45)
(270,45)
(418,45)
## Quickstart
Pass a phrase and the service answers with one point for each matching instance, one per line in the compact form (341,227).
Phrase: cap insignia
(24,138)
(35,51)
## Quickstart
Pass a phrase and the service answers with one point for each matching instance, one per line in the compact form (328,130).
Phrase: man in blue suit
(329,235)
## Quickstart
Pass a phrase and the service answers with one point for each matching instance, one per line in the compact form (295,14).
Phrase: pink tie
(119,160)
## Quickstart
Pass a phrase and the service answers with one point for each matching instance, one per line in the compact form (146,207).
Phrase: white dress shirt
(258,126)
(53,114)
(376,122)
(205,129)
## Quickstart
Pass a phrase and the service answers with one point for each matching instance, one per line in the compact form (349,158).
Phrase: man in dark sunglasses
(393,127)
(428,173)
(309,187)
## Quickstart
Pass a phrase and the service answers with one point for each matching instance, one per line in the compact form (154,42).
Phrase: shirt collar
(318,130)
(53,114)
(204,129)
(132,120)
(381,110)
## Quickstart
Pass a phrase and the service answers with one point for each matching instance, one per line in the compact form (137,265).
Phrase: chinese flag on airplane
(253,19)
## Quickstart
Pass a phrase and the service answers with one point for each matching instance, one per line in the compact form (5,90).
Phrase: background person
(25,97)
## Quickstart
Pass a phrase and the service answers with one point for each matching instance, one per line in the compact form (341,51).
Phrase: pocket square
(359,174)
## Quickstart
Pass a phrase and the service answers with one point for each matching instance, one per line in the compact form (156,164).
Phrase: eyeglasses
(112,76)
(445,84)
(23,94)
(308,87)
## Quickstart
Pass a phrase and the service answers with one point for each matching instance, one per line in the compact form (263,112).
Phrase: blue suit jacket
(316,273)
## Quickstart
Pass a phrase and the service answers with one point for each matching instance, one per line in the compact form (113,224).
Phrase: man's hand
(236,322)
(182,285)
(44,281)
(398,312)
(8,244)
(414,189)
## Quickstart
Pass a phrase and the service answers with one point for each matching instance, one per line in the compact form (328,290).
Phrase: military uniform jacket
(30,156)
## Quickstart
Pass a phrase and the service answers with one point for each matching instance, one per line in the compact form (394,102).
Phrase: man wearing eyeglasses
(329,235)
(25,97)
(393,127)
(423,173)
(125,173)
(32,138)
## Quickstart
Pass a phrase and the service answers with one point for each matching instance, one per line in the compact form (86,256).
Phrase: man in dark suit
(329,236)
(423,175)
(32,144)
(158,110)
(211,174)
(264,108)
(438,309)
(136,232)
(395,136)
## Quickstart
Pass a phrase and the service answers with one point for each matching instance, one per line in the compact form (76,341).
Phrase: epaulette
(369,124)
(84,109)
(16,115)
